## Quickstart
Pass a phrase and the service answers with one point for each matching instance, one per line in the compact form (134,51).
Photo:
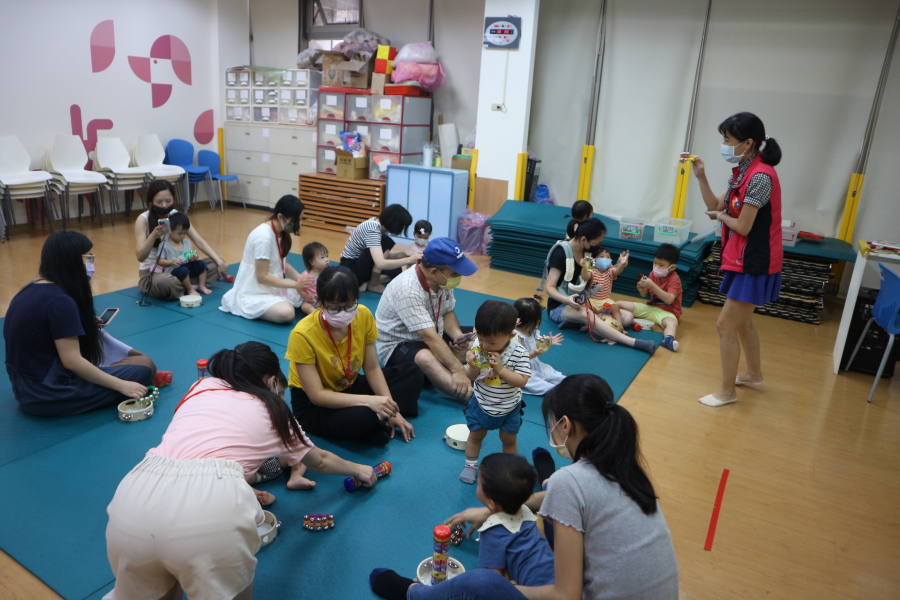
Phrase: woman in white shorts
(267,287)
(184,519)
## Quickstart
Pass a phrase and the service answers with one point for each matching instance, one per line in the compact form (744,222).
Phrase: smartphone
(107,316)
(164,222)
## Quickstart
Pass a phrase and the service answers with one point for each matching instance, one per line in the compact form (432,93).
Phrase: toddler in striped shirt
(602,276)
(497,382)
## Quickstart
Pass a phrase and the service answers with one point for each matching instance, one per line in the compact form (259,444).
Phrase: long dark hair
(745,126)
(337,284)
(244,369)
(591,228)
(395,219)
(611,443)
(291,208)
(156,186)
(62,264)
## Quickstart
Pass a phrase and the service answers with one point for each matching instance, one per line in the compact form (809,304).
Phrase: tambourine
(456,436)
(423,572)
(190,301)
(138,410)
(268,529)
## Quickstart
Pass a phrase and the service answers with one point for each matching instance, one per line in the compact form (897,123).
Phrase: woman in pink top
(184,519)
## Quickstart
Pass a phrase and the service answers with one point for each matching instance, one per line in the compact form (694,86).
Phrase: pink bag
(430,75)
(471,231)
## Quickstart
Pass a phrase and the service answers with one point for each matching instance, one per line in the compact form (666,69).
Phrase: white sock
(711,400)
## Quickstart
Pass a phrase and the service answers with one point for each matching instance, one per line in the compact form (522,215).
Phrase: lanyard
(278,243)
(189,395)
(436,315)
(346,369)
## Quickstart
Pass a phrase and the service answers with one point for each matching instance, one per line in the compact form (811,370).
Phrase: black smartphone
(107,316)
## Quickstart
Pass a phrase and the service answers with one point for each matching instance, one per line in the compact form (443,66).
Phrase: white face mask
(560,449)
(728,154)
(421,242)
(89,267)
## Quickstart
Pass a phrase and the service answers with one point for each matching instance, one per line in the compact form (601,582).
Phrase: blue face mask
(89,267)
(603,263)
(728,154)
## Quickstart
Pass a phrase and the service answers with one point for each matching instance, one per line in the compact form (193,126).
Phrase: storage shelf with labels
(332,203)
(289,93)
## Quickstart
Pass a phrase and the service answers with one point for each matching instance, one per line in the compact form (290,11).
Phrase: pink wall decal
(166,47)
(204,128)
(90,142)
(103,46)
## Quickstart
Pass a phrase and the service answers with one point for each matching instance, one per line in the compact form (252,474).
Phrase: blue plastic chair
(886,313)
(181,153)
(208,158)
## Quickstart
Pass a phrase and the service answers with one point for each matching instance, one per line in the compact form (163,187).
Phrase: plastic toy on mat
(482,358)
(202,369)
(544,342)
(382,469)
(441,554)
(459,532)
(189,255)
(318,522)
(140,409)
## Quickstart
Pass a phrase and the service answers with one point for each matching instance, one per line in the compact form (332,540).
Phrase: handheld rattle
(318,522)
(442,536)
(382,469)
(456,537)
(140,409)
(588,262)
(189,255)
(482,358)
(543,342)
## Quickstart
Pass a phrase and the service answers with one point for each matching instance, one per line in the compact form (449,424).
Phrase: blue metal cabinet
(437,195)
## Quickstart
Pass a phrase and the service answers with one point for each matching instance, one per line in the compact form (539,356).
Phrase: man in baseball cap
(416,322)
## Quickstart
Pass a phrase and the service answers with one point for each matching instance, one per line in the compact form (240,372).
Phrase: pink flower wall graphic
(103,46)
(167,48)
(90,142)
(204,127)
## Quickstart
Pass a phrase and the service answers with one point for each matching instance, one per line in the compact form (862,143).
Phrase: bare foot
(204,289)
(193,292)
(265,498)
(378,289)
(297,481)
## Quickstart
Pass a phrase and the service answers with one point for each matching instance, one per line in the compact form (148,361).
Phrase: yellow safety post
(222,162)
(848,221)
(584,176)
(681,185)
(474,164)
(521,167)
(580,194)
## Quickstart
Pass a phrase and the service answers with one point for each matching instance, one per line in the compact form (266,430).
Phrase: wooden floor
(812,505)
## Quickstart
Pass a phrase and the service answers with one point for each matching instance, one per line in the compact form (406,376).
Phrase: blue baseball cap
(444,251)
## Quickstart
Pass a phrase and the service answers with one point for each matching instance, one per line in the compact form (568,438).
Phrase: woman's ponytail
(770,152)
(611,441)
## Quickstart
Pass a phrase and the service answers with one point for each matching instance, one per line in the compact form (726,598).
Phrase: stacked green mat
(524,232)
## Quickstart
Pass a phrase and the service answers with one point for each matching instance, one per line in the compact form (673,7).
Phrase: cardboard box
(490,194)
(386,52)
(378,83)
(461,163)
(349,167)
(383,65)
(337,71)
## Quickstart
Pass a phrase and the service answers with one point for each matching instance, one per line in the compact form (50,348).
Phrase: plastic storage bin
(330,133)
(790,231)
(265,114)
(359,107)
(266,79)
(231,96)
(631,228)
(305,97)
(237,78)
(331,105)
(285,97)
(671,231)
(244,97)
(326,160)
(293,116)
(301,78)
(379,161)
(259,96)
(237,113)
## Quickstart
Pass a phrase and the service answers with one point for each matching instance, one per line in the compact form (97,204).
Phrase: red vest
(760,251)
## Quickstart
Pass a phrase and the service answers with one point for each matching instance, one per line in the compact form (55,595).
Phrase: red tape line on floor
(715,514)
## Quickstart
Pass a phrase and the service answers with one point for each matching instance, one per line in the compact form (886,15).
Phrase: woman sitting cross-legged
(185,519)
(59,359)
(327,349)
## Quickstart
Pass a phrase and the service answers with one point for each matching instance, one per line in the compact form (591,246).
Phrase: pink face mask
(660,272)
(340,320)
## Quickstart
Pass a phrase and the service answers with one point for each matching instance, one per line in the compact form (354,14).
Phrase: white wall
(45,49)
(506,77)
(276,27)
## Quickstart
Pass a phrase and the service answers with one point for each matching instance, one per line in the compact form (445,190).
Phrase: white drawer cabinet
(245,137)
(255,190)
(289,168)
(243,162)
(282,187)
(293,141)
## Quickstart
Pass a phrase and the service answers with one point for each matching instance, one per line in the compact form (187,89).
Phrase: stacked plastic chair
(17,182)
(65,159)
(181,153)
(111,159)
(208,158)
(149,153)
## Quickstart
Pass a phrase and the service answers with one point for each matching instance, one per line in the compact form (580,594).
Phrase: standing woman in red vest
(750,212)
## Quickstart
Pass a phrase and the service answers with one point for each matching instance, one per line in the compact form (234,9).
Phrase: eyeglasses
(89,257)
(335,310)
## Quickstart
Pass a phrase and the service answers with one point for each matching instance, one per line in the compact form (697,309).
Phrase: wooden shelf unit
(334,204)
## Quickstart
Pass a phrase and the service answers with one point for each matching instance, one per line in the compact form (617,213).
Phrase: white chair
(111,159)
(149,153)
(18,182)
(65,159)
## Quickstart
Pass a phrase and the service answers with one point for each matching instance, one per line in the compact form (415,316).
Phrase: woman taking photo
(59,359)
(611,540)
(750,212)
(568,307)
(267,287)
(184,519)
(149,235)
(364,253)
(329,395)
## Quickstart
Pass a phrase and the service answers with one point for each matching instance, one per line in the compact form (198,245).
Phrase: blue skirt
(752,289)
